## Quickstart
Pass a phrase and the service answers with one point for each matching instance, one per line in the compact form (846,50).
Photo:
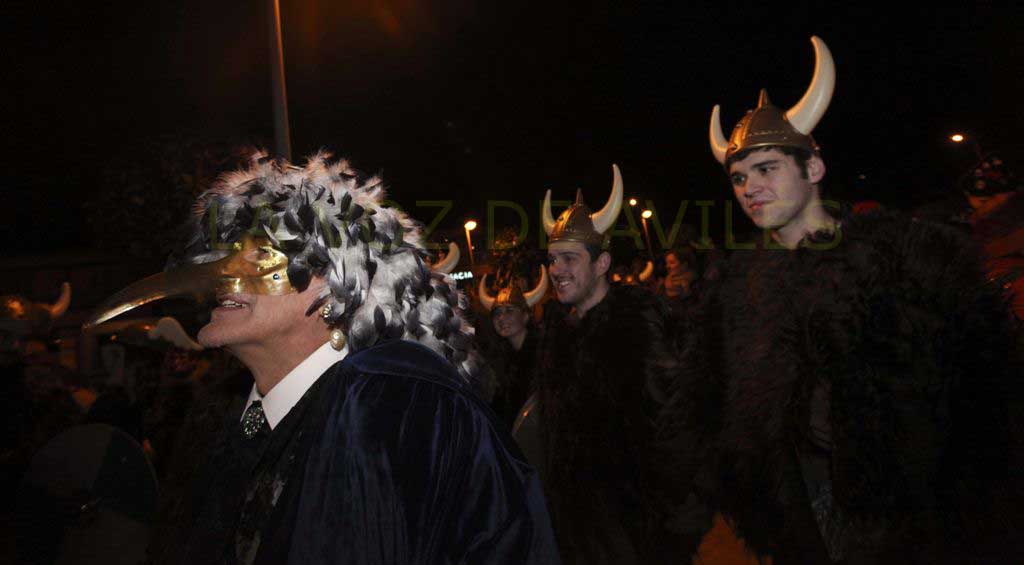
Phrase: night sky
(471,101)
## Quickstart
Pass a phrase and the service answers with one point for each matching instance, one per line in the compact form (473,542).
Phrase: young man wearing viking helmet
(608,368)
(362,440)
(863,361)
(514,355)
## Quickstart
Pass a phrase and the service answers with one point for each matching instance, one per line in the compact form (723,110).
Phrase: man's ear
(603,262)
(815,169)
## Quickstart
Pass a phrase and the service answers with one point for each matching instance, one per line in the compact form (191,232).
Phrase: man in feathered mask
(608,367)
(864,362)
(362,440)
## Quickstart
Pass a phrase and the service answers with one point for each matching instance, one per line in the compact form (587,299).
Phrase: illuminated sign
(461,275)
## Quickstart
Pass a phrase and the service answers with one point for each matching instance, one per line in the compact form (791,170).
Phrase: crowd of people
(847,391)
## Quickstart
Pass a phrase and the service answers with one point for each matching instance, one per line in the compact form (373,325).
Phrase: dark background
(470,101)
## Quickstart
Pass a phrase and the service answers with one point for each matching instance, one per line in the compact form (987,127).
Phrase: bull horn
(61,305)
(447,264)
(647,272)
(546,217)
(537,293)
(169,329)
(605,218)
(719,143)
(809,110)
(486,299)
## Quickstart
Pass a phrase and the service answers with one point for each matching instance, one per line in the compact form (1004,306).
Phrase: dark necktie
(254,420)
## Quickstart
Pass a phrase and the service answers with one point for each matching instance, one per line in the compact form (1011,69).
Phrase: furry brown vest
(896,323)
(601,386)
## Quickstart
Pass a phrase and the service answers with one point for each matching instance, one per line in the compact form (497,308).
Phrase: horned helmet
(578,223)
(768,126)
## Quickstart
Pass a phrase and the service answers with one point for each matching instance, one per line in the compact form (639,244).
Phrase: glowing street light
(646,214)
(961,138)
(632,201)
(470,226)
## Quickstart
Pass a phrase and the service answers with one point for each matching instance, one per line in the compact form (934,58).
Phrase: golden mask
(254,266)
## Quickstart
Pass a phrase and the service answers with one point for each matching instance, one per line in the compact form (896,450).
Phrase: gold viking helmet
(577,223)
(767,125)
(512,295)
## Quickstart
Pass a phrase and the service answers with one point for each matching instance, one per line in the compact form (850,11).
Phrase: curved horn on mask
(61,305)
(486,299)
(719,143)
(546,217)
(647,272)
(447,264)
(605,218)
(809,110)
(537,293)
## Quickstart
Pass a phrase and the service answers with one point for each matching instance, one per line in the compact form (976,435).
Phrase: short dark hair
(593,250)
(799,154)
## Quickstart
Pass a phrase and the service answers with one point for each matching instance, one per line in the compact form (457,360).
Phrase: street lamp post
(470,226)
(644,216)
(282,132)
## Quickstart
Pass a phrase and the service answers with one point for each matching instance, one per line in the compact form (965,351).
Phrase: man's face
(771,187)
(573,274)
(244,320)
(509,321)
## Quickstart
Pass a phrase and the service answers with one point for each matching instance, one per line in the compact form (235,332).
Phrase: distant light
(471,225)
(646,214)
(632,201)
(461,275)
(956,138)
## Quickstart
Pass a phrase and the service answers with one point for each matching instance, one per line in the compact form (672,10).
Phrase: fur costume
(605,381)
(894,325)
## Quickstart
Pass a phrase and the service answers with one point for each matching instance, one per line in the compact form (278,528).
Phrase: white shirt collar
(286,393)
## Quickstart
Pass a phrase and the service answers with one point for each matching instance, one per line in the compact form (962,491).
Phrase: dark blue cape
(410,466)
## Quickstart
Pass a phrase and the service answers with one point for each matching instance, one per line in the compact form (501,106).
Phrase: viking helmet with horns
(767,125)
(577,223)
(447,265)
(21,316)
(512,295)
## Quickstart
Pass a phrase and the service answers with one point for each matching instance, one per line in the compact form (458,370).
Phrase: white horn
(486,299)
(537,293)
(647,272)
(805,115)
(170,330)
(546,217)
(61,305)
(719,143)
(605,218)
(447,264)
